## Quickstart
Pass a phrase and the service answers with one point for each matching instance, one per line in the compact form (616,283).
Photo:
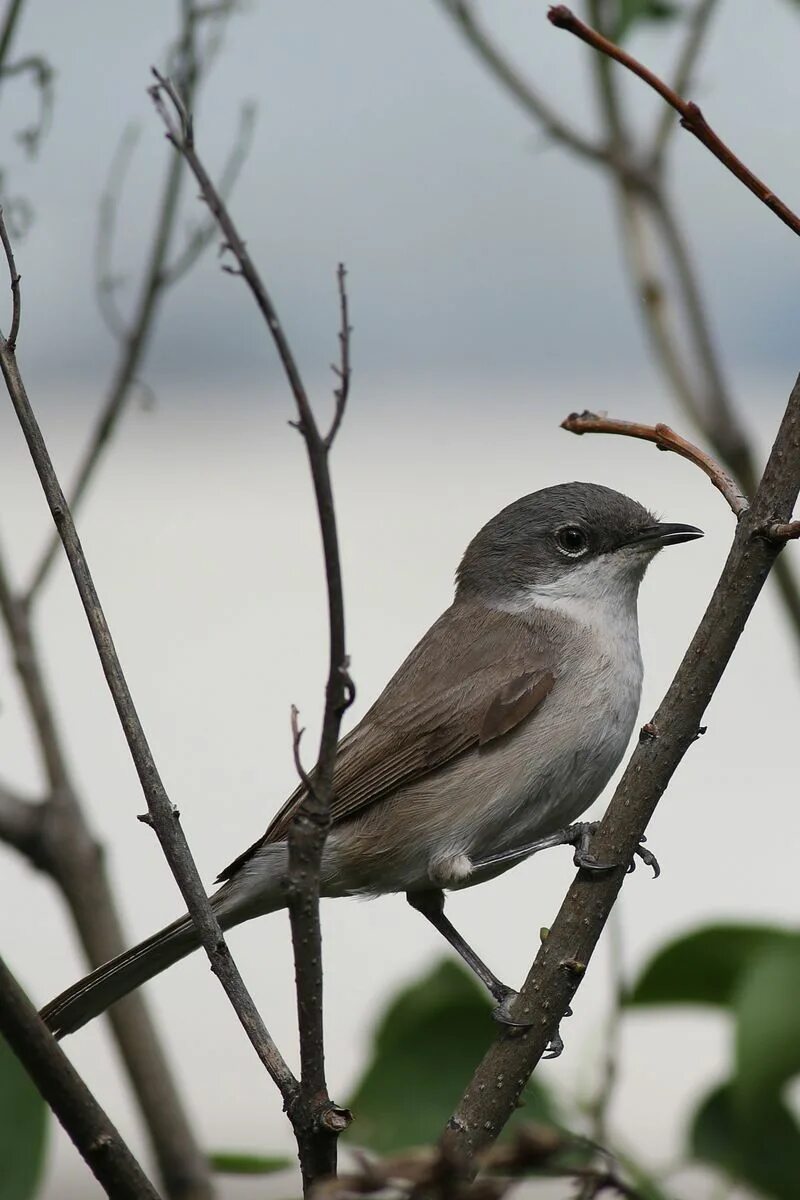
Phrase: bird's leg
(578,835)
(431,904)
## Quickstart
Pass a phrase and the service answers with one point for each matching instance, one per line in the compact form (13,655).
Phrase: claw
(555,1046)
(502,1013)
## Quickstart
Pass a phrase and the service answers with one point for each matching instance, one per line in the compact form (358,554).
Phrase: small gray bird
(502,726)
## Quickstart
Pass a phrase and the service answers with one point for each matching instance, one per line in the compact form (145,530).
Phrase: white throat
(601,595)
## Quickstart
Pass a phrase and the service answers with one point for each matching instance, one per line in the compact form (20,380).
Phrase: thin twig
(9,28)
(343,371)
(55,836)
(665,439)
(157,277)
(690,114)
(42,73)
(698,23)
(316,1120)
(496,1085)
(105,281)
(96,1138)
(165,820)
(16,299)
(203,235)
(523,92)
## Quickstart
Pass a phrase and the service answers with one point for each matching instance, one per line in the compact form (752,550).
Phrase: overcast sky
(474,246)
(488,301)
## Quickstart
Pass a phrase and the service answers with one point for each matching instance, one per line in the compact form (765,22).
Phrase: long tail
(251,894)
(96,992)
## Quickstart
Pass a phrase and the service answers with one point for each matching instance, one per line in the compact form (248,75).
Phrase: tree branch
(692,370)
(699,21)
(665,439)
(691,116)
(317,1121)
(523,92)
(495,1088)
(165,819)
(157,278)
(21,825)
(96,1138)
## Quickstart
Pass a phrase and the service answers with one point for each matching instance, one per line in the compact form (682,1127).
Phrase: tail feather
(96,992)
(256,890)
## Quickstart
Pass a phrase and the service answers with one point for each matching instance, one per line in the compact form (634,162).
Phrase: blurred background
(489,298)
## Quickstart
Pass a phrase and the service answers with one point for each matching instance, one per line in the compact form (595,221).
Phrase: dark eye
(571,540)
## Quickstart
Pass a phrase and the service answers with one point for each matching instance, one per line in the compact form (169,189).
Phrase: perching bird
(502,726)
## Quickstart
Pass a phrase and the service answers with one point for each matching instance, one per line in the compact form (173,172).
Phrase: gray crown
(519,546)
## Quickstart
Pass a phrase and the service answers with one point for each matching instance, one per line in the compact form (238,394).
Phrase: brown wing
(474,676)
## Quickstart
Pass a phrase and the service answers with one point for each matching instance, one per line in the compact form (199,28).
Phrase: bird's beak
(664,533)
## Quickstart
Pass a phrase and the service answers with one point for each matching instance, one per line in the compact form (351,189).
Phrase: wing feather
(475,675)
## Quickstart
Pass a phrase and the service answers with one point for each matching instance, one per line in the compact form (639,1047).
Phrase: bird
(500,728)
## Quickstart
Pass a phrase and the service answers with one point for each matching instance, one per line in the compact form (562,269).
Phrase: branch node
(648,732)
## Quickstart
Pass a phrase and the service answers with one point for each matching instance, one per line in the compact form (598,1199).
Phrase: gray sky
(488,302)
(474,247)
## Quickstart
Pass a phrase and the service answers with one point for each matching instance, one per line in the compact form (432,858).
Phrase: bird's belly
(491,800)
(550,782)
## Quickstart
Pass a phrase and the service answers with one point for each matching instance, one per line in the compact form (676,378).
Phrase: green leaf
(763,1153)
(23,1129)
(426,1046)
(631,11)
(705,966)
(768,1025)
(241,1162)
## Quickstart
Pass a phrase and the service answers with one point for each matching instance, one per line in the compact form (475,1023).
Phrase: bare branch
(55,837)
(665,439)
(96,1138)
(16,300)
(42,75)
(698,24)
(105,280)
(157,277)
(561,963)
(522,90)
(166,824)
(784,532)
(691,116)
(9,28)
(200,237)
(21,825)
(317,1121)
(55,834)
(541,1151)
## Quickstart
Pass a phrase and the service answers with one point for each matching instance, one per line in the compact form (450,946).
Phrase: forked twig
(316,1120)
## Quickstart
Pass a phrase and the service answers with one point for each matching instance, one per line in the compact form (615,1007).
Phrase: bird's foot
(580,836)
(502,1014)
